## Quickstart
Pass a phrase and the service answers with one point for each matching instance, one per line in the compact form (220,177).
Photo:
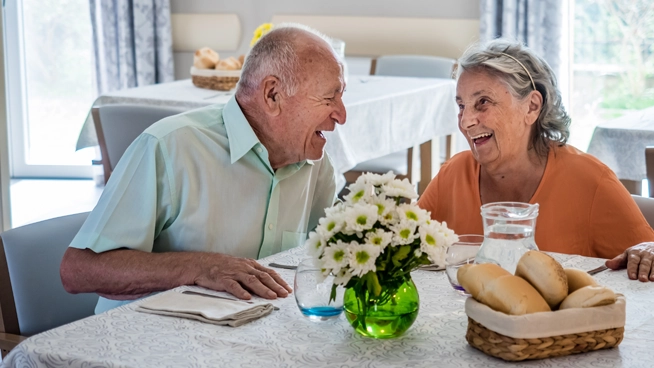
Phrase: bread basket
(545,334)
(221,80)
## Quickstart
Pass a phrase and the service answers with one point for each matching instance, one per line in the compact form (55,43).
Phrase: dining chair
(646,205)
(423,66)
(118,125)
(649,168)
(414,66)
(32,297)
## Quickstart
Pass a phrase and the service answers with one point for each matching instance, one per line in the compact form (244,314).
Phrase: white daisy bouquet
(377,236)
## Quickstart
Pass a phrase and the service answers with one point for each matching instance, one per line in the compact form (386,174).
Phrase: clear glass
(461,253)
(509,229)
(312,293)
(386,316)
(58,58)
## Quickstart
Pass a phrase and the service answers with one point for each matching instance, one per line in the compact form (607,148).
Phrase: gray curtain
(132,42)
(536,23)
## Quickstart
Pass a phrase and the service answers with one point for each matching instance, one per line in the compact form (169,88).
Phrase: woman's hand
(638,261)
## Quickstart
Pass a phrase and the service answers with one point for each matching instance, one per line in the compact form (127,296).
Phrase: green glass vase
(388,315)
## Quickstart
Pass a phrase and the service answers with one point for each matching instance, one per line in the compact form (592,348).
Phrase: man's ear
(535,104)
(272,95)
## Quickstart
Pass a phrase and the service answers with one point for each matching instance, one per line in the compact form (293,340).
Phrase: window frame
(17,113)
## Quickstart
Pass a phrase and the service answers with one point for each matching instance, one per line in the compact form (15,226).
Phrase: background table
(384,114)
(620,144)
(126,338)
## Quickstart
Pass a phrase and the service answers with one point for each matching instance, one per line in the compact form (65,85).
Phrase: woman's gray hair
(276,53)
(552,124)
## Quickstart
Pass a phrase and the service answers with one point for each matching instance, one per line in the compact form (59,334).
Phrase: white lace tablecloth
(384,114)
(125,338)
(620,143)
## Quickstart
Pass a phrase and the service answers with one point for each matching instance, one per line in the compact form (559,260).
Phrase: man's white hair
(275,54)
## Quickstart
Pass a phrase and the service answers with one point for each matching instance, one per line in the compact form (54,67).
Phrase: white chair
(423,66)
(118,125)
(649,163)
(414,66)
(32,298)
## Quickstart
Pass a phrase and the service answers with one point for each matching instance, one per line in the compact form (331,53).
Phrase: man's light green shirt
(202,181)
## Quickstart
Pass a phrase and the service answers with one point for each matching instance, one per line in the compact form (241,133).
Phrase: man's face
(315,108)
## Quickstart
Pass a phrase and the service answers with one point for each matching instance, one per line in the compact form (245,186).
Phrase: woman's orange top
(584,209)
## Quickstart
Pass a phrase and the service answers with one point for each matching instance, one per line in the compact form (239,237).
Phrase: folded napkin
(208,309)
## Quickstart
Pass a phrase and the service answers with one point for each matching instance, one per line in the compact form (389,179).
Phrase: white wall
(252,13)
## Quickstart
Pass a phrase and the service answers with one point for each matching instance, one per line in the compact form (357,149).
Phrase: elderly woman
(510,112)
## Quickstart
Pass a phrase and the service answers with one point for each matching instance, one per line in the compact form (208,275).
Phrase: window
(612,62)
(50,83)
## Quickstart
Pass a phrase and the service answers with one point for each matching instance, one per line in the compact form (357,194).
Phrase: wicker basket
(513,349)
(516,348)
(220,80)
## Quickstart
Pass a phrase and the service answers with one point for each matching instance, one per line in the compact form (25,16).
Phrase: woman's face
(496,124)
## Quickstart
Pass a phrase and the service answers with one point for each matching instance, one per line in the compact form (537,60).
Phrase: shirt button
(260,150)
(270,226)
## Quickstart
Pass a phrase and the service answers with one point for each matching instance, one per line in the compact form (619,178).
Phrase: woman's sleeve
(616,221)
(429,199)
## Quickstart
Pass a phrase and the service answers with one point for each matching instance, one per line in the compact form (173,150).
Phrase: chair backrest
(646,205)
(649,168)
(118,125)
(32,298)
(414,66)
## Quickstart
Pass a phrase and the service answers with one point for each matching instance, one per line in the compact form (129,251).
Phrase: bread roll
(228,64)
(577,279)
(473,277)
(205,58)
(545,274)
(513,295)
(241,59)
(589,296)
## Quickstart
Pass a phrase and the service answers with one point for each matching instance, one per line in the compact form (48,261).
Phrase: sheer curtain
(536,23)
(132,43)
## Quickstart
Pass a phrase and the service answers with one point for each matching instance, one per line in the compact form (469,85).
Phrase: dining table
(620,143)
(384,115)
(125,337)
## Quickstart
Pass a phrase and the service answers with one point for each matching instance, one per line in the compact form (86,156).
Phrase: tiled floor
(36,200)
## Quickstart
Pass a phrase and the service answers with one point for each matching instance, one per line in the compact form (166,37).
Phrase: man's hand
(638,261)
(240,276)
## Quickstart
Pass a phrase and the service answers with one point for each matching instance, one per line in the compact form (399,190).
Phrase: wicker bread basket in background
(545,334)
(220,80)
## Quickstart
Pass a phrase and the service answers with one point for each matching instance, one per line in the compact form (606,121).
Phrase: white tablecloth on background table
(126,338)
(621,143)
(384,114)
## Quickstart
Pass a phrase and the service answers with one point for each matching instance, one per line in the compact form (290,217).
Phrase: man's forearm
(127,274)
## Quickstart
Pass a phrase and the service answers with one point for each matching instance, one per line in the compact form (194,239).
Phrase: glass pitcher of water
(509,229)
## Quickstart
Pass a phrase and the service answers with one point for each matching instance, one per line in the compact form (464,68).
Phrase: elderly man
(199,195)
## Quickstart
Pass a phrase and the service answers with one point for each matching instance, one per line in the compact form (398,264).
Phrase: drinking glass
(461,253)
(312,291)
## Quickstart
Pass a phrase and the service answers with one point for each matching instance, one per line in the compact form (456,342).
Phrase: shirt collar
(239,132)
(241,137)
